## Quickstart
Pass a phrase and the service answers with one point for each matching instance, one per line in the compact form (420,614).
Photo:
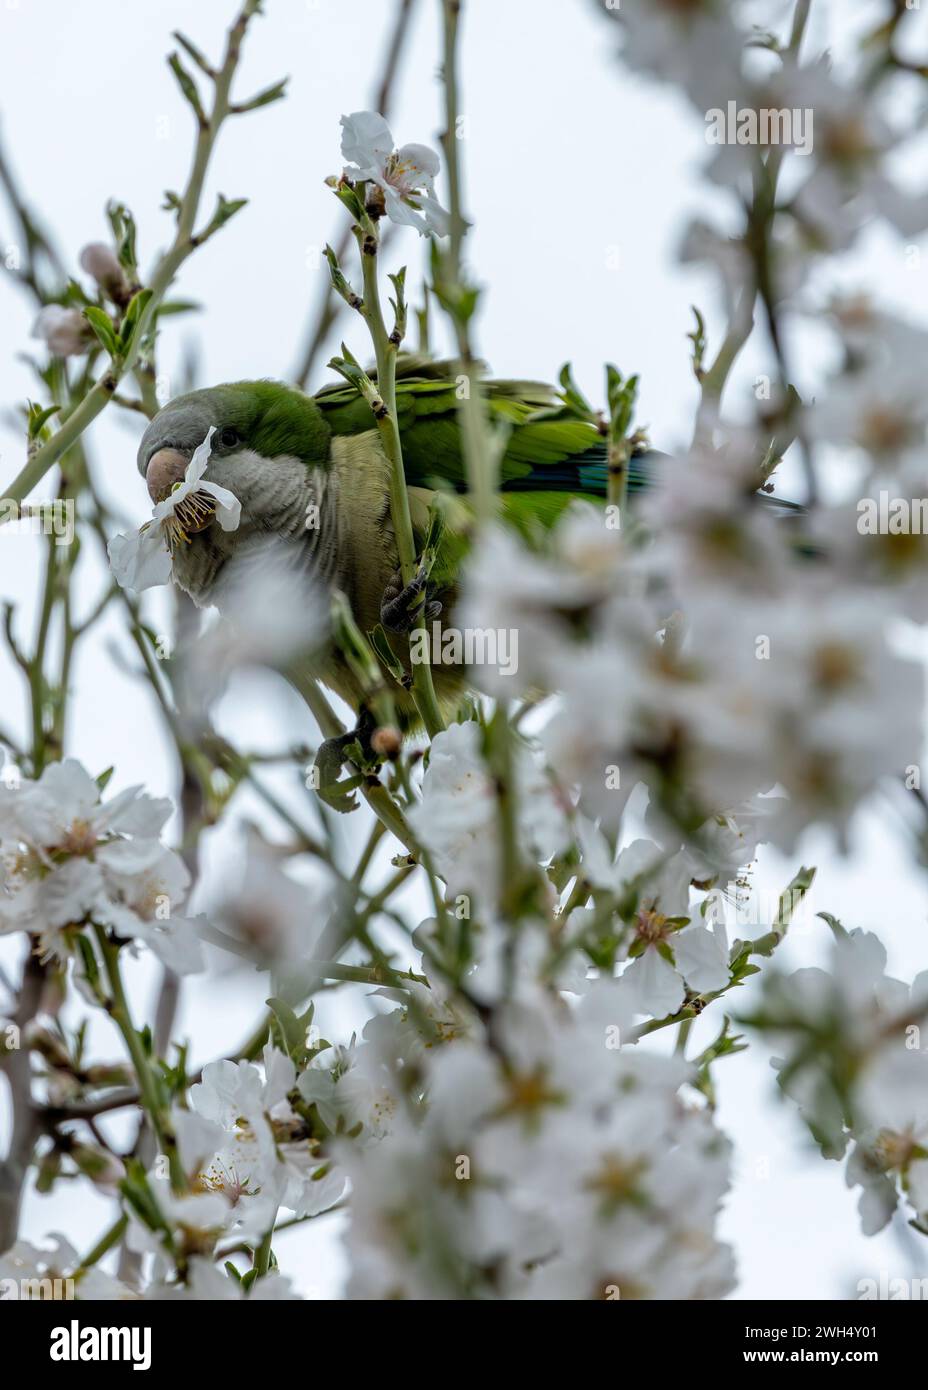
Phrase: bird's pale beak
(165,468)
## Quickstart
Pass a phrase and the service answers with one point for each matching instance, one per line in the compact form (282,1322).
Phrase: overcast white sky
(579,178)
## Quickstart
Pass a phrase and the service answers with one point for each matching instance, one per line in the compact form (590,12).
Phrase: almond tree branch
(185,242)
(27,1119)
(329,306)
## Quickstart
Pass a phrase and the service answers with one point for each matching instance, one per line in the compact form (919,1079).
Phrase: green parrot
(311,470)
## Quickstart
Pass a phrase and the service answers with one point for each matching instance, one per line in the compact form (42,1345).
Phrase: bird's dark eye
(228,437)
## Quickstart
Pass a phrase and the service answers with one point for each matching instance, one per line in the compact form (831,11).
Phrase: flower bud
(44,1042)
(386,742)
(66,331)
(103,1169)
(108,1074)
(48,1170)
(100,261)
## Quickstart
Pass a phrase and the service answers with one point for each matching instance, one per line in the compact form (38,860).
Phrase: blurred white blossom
(66,331)
(456,818)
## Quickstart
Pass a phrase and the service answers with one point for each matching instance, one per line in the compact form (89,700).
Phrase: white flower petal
(72,892)
(72,788)
(658,986)
(366,140)
(702,957)
(140,561)
(197,465)
(280,1076)
(918,1186)
(175,943)
(136,813)
(130,856)
(228,507)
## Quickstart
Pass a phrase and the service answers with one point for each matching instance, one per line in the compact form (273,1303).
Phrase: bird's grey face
(172,436)
(274,493)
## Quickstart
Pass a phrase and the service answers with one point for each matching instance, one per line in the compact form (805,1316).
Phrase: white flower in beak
(405,176)
(144,560)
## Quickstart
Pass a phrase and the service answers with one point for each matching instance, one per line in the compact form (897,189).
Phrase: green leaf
(399,306)
(102,325)
(725,1045)
(188,87)
(138,1194)
(339,283)
(134,312)
(75,294)
(123,225)
(272,93)
(385,654)
(292,1031)
(226,208)
(49,1170)
(178,306)
(348,197)
(790,898)
(436,530)
(350,641)
(573,397)
(698,338)
(89,960)
(191,49)
(38,418)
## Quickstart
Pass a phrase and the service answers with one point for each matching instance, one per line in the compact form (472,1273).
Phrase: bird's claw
(331,756)
(401,605)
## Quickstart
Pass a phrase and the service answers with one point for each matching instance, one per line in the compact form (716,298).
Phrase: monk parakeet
(311,470)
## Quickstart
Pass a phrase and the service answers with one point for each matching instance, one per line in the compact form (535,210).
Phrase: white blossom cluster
(536,1163)
(71,859)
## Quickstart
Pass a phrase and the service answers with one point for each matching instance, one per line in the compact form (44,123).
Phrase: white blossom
(406,176)
(260,1156)
(53,1270)
(72,858)
(457,815)
(517,1182)
(143,560)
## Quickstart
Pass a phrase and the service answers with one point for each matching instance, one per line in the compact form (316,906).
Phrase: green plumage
(550,460)
(264,430)
(546,450)
(288,456)
(272,418)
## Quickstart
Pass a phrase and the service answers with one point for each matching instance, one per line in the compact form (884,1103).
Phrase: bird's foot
(331,756)
(402,604)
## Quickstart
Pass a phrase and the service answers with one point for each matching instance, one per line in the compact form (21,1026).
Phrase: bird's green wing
(547,450)
(551,458)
